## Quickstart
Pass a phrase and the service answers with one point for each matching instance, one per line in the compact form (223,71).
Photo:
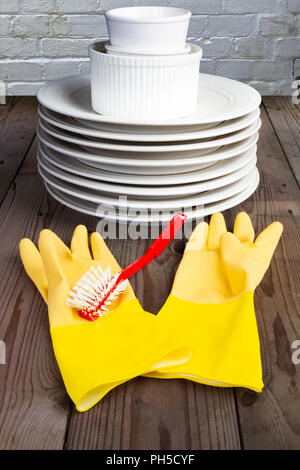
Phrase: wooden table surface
(35,411)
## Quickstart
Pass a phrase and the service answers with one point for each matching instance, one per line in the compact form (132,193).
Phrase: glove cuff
(224,340)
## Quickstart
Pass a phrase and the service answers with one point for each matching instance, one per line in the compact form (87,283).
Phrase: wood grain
(18,121)
(34,405)
(157,414)
(271,420)
(35,411)
(285,118)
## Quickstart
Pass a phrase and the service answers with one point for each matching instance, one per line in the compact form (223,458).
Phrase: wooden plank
(145,413)
(34,405)
(285,118)
(271,420)
(18,121)
(157,414)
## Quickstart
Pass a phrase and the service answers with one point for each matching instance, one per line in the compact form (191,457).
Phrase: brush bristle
(88,293)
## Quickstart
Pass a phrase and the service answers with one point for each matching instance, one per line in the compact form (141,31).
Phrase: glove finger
(217,228)
(198,238)
(236,262)
(54,254)
(102,253)
(243,228)
(80,242)
(34,267)
(266,242)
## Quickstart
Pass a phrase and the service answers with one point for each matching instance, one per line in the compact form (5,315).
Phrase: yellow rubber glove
(95,357)
(212,302)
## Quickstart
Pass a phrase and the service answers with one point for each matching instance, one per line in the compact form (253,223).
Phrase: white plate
(219,99)
(123,170)
(167,160)
(93,145)
(68,124)
(221,168)
(147,192)
(141,129)
(89,208)
(98,197)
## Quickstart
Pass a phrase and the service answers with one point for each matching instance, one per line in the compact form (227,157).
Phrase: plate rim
(243,145)
(125,176)
(183,136)
(155,204)
(93,116)
(236,137)
(161,190)
(218,206)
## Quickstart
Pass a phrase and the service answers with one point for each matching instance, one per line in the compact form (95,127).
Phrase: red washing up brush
(96,290)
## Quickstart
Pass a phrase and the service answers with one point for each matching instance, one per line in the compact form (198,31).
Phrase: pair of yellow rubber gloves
(206,331)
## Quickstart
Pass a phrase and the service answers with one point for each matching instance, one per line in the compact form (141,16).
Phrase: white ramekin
(121,51)
(153,29)
(149,87)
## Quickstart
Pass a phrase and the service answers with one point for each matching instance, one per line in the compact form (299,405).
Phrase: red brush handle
(155,248)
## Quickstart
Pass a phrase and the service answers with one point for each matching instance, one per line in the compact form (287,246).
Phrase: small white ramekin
(145,88)
(152,29)
(121,51)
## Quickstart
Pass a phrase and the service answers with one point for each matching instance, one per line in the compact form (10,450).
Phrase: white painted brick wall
(255,41)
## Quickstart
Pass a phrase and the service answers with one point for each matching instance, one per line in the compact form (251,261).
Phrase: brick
(87,25)
(277,25)
(27,70)
(197,26)
(17,47)
(141,3)
(296,30)
(293,6)
(296,68)
(3,70)
(253,6)
(5,21)
(288,47)
(57,68)
(263,69)
(276,87)
(36,6)
(23,88)
(200,7)
(230,25)
(208,66)
(284,88)
(65,47)
(108,4)
(215,48)
(234,68)
(32,25)
(59,25)
(253,47)
(76,6)
(9,6)
(85,66)
(263,87)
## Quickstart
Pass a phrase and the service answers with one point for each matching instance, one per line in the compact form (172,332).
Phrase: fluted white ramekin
(149,87)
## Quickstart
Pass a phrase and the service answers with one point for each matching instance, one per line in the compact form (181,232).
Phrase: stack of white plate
(143,171)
